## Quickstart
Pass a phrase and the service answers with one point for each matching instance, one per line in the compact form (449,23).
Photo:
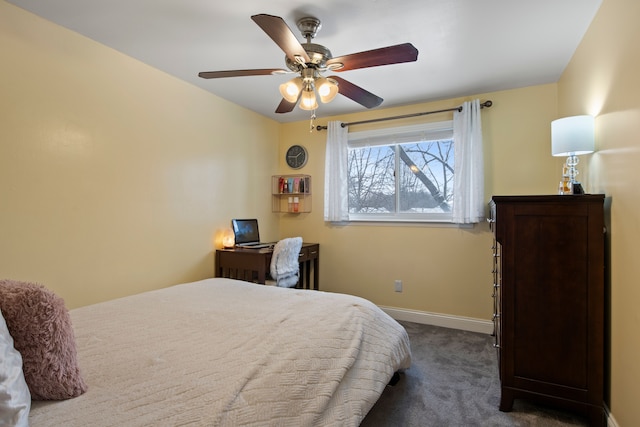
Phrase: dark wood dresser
(549,300)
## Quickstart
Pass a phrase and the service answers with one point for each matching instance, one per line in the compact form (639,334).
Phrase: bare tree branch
(437,195)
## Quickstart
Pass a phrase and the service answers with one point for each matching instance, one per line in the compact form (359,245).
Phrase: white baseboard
(611,422)
(444,320)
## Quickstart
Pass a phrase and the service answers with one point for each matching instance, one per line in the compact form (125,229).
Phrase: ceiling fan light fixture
(291,90)
(327,89)
(308,60)
(308,99)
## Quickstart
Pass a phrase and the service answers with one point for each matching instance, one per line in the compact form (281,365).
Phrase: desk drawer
(313,251)
(308,253)
(304,255)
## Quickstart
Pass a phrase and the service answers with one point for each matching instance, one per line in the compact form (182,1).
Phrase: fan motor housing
(318,54)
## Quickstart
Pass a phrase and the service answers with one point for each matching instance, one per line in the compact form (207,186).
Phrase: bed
(223,352)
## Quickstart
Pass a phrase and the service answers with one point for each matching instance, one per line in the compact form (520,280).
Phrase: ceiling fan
(310,60)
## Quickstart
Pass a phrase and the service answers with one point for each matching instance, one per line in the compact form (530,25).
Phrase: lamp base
(569,184)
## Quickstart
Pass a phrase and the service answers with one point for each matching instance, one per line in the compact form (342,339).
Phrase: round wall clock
(296,156)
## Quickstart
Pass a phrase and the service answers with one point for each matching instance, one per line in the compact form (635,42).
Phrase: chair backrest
(285,267)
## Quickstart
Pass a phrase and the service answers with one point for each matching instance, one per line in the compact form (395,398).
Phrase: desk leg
(301,284)
(262,275)
(307,276)
(316,273)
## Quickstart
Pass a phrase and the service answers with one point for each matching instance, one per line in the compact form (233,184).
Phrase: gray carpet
(453,381)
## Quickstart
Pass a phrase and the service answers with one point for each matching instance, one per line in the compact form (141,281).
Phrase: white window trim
(400,135)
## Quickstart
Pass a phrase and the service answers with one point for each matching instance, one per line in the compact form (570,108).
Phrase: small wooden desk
(252,265)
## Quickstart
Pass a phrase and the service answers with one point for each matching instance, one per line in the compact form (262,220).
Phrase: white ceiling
(465,47)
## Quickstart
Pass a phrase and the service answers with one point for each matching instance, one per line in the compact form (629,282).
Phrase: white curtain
(336,200)
(468,202)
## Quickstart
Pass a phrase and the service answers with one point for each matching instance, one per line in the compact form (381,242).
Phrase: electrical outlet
(398,284)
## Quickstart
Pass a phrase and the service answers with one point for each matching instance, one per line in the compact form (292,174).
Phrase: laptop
(247,235)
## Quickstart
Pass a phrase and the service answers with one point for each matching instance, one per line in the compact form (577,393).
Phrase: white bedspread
(222,352)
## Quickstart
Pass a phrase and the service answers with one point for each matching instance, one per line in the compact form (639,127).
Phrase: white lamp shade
(308,100)
(291,89)
(327,89)
(572,136)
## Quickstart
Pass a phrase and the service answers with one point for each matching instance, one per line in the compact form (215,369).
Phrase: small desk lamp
(572,136)
(228,239)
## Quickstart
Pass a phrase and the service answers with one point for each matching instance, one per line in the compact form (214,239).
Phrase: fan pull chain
(313,117)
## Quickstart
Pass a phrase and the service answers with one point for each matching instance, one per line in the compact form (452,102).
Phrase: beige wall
(602,79)
(116,178)
(444,270)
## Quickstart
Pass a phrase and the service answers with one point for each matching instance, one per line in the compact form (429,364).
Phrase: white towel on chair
(285,268)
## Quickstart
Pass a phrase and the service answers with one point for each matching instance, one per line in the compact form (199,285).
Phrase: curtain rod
(482,105)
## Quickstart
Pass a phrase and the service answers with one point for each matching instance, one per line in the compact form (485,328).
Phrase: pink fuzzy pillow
(40,325)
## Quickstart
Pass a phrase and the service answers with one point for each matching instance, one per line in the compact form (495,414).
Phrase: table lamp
(571,137)
(228,239)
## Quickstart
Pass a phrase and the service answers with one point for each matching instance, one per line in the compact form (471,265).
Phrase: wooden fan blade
(281,34)
(240,73)
(286,106)
(372,58)
(356,93)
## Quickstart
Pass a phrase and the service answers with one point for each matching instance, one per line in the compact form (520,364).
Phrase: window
(401,174)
